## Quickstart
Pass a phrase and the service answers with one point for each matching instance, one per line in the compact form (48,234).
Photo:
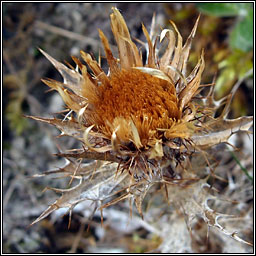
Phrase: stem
(242,168)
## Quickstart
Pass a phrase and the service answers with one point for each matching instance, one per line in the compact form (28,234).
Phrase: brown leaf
(189,91)
(72,79)
(104,184)
(221,130)
(112,62)
(128,52)
(177,53)
(166,58)
(67,127)
(106,156)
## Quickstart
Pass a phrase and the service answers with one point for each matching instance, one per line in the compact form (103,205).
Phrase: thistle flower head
(136,107)
(147,117)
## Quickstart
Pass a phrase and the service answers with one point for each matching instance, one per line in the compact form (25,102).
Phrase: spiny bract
(147,119)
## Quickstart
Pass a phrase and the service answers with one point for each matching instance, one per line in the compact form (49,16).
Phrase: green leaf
(242,168)
(241,36)
(246,67)
(224,9)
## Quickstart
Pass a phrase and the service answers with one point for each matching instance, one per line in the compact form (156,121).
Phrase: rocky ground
(62,29)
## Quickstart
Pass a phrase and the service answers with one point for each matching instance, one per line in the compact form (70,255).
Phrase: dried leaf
(93,64)
(90,146)
(177,53)
(221,130)
(68,128)
(105,183)
(72,100)
(189,91)
(157,151)
(128,54)
(154,72)
(135,134)
(151,52)
(166,58)
(71,78)
(104,156)
(112,62)
(186,49)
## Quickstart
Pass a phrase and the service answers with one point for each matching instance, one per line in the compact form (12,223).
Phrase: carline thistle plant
(142,123)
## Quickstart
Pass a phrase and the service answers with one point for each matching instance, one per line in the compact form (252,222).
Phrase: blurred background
(225,31)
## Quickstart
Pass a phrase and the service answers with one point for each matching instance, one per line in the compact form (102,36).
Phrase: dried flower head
(148,118)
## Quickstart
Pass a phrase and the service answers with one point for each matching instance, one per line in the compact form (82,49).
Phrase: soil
(62,30)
